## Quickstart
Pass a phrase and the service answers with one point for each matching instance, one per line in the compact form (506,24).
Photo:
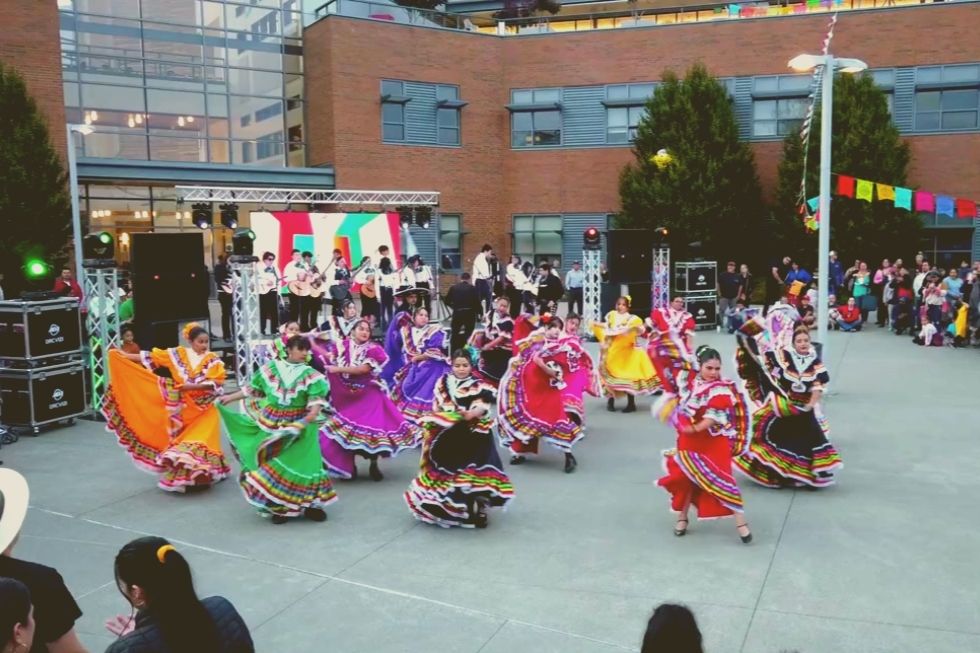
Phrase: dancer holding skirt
(461,473)
(424,350)
(276,437)
(711,419)
(624,369)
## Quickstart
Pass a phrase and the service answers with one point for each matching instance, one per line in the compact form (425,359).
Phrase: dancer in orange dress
(160,405)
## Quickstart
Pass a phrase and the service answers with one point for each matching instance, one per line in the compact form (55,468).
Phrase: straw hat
(13,505)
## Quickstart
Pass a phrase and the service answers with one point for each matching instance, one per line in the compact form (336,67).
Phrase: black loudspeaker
(628,253)
(641,299)
(696,276)
(170,282)
(33,330)
(42,396)
(704,309)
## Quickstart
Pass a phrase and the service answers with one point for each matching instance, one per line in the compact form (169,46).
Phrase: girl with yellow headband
(623,368)
(160,405)
(168,617)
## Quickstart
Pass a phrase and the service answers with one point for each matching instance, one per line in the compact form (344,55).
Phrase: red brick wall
(488,182)
(29,43)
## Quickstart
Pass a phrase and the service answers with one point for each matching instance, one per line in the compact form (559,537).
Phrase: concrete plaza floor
(886,561)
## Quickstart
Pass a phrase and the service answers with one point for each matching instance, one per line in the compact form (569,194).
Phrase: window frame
(446,106)
(535,255)
(943,80)
(459,234)
(633,101)
(535,102)
(391,100)
(778,89)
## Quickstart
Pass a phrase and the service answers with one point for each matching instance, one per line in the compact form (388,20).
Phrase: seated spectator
(735,316)
(933,297)
(672,629)
(807,315)
(128,340)
(55,611)
(16,616)
(833,312)
(850,316)
(928,335)
(156,579)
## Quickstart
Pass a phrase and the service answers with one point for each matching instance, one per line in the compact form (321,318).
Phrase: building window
(393,111)
(245,120)
(885,80)
(247,152)
(270,111)
(535,118)
(451,242)
(947,110)
(625,106)
(537,238)
(779,104)
(447,115)
(268,146)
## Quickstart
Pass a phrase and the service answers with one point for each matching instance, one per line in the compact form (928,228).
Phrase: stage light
(592,239)
(405,216)
(202,214)
(229,215)
(243,242)
(423,216)
(660,235)
(98,246)
(35,269)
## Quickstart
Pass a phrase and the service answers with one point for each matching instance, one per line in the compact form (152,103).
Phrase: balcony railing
(625,18)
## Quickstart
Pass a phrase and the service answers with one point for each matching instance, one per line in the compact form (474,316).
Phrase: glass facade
(186,80)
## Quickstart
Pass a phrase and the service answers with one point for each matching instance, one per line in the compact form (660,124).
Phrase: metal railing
(613,19)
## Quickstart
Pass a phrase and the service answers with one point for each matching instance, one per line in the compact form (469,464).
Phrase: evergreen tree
(35,209)
(709,191)
(866,144)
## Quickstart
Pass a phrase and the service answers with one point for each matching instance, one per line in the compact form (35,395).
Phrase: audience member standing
(746,284)
(549,289)
(775,281)
(156,579)
(880,282)
(729,289)
(836,275)
(464,300)
(55,611)
(482,278)
(574,283)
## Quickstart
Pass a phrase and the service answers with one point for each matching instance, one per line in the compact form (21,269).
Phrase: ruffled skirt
(699,474)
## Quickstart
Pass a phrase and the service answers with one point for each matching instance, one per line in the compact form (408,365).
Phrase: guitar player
(268,287)
(290,275)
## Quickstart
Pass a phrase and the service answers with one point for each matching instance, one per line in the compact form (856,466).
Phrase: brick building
(523,124)
(525,133)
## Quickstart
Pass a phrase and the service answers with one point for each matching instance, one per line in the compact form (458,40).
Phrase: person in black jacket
(156,579)
(464,299)
(550,290)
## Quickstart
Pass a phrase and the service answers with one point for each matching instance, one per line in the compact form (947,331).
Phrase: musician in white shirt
(292,272)
(482,277)
(268,287)
(423,281)
(516,285)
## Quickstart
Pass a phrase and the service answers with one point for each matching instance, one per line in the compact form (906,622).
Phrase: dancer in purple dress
(364,420)
(423,345)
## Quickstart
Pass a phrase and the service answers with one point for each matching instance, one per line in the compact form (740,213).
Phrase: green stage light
(36,269)
(105,238)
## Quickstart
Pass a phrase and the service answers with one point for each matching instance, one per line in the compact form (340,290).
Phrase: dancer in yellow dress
(623,368)
(160,405)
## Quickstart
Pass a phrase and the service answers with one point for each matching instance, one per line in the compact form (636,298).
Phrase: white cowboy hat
(14,495)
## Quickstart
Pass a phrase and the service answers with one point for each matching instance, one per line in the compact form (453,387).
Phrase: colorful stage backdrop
(355,234)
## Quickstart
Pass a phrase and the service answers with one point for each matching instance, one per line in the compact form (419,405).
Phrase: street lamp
(830,63)
(76,217)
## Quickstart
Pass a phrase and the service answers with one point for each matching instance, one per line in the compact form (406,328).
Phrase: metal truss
(245,319)
(102,325)
(381,198)
(591,288)
(660,278)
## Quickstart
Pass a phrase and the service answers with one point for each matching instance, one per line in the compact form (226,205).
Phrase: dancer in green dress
(276,437)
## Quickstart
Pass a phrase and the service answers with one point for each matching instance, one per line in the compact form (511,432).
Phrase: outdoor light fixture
(36,269)
(202,214)
(423,216)
(591,239)
(100,246)
(229,215)
(405,216)
(243,242)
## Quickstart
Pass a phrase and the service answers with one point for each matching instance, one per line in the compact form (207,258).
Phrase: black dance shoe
(747,537)
(279,519)
(570,463)
(678,531)
(630,405)
(480,519)
(375,472)
(315,514)
(517,460)
(611,405)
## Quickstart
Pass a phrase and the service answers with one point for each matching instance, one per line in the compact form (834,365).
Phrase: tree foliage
(709,192)
(865,144)
(35,209)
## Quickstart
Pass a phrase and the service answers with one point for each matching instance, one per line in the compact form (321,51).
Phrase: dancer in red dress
(583,377)
(712,421)
(530,403)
